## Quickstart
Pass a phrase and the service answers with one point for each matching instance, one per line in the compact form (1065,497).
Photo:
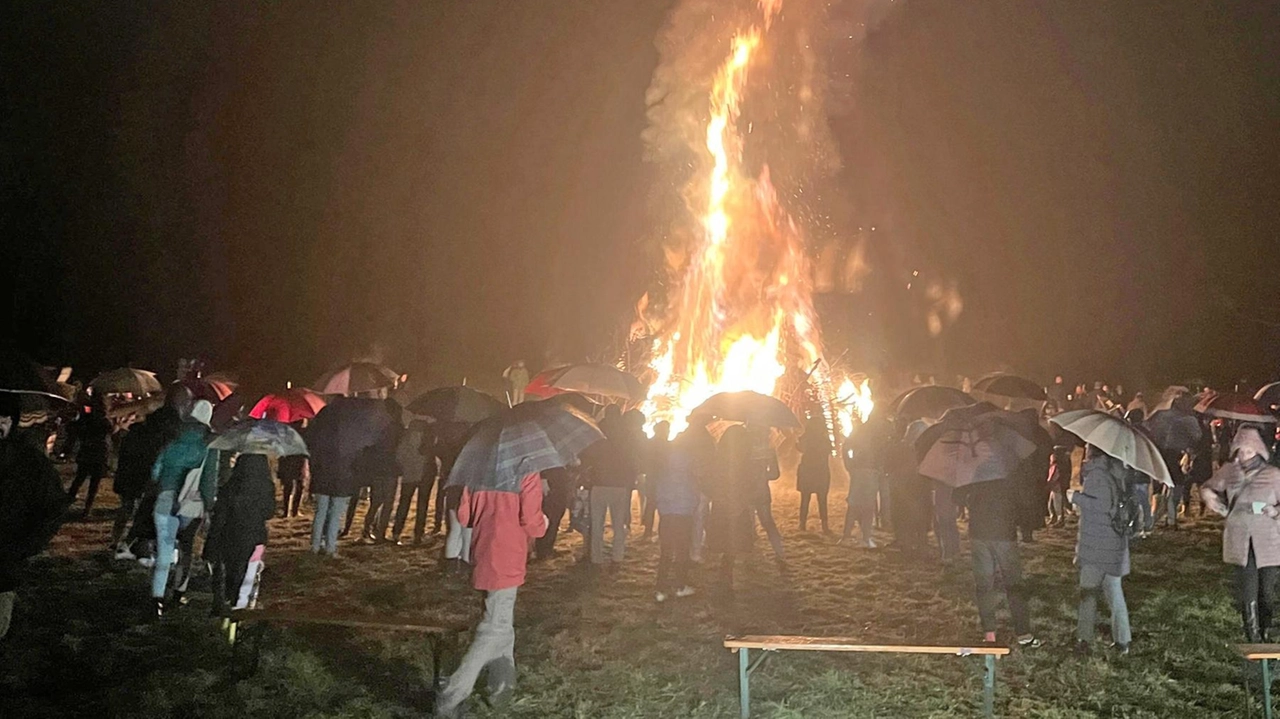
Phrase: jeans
(457,544)
(1142,490)
(822,510)
(492,647)
(324,529)
(944,523)
(616,501)
(992,557)
(1091,579)
(92,471)
(1169,501)
(763,508)
(382,498)
(699,529)
(1256,584)
(675,537)
(291,489)
(127,507)
(1057,505)
(171,531)
(648,505)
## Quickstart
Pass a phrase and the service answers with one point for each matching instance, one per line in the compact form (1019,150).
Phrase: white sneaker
(122,552)
(659,597)
(686,591)
(147,562)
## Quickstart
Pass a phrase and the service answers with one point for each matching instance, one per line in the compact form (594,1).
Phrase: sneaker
(147,562)
(659,597)
(1121,649)
(686,591)
(122,552)
(1028,641)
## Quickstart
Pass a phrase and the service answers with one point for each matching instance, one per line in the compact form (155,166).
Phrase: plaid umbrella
(966,448)
(263,436)
(456,404)
(749,407)
(127,380)
(290,405)
(355,378)
(528,438)
(1117,438)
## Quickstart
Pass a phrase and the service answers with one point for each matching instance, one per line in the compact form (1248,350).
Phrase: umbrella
(528,438)
(127,380)
(1007,385)
(749,407)
(1117,438)
(967,447)
(578,401)
(37,389)
(929,401)
(1171,394)
(261,436)
(456,404)
(355,378)
(1173,429)
(290,405)
(349,424)
(599,379)
(1240,407)
(1269,396)
(209,388)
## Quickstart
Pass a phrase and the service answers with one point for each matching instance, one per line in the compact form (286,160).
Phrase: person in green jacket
(177,517)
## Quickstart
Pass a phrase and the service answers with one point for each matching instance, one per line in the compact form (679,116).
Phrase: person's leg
(850,517)
(620,517)
(984,581)
(493,643)
(822,512)
(123,515)
(1148,521)
(804,510)
(699,529)
(421,509)
(666,557)
(1113,591)
(599,507)
(764,509)
(440,505)
(166,537)
(95,478)
(1267,588)
(944,519)
(554,506)
(337,506)
(319,522)
(6,612)
(1010,564)
(408,490)
(188,528)
(683,530)
(82,473)
(866,522)
(352,506)
(1087,612)
(1248,589)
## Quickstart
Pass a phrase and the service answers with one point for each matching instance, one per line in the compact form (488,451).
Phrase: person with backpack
(1246,491)
(1109,516)
(183,490)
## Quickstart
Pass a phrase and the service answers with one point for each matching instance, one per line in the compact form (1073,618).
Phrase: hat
(1251,438)
(202,412)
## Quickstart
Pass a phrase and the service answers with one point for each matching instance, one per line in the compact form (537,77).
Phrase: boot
(1252,632)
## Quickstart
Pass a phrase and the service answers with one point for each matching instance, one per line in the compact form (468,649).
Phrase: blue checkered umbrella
(528,438)
(261,436)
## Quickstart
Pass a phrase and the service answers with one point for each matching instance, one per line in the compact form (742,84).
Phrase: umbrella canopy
(1173,429)
(350,424)
(749,407)
(1269,396)
(1117,438)
(1173,393)
(39,392)
(206,388)
(929,401)
(127,380)
(598,379)
(456,404)
(1007,385)
(355,378)
(1232,405)
(289,406)
(528,438)
(968,446)
(261,436)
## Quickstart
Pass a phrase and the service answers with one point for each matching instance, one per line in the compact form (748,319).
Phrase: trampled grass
(597,646)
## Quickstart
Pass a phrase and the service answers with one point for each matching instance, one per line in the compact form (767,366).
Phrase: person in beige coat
(1246,491)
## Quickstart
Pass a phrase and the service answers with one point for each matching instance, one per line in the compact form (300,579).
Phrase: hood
(1250,438)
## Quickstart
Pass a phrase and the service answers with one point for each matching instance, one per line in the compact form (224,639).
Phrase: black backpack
(1126,514)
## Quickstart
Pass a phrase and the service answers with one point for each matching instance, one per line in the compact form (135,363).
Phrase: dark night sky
(277,187)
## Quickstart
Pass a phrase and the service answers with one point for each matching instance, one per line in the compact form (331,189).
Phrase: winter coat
(1098,544)
(1231,492)
(814,472)
(410,453)
(239,519)
(32,503)
(186,452)
(994,509)
(93,430)
(607,464)
(139,449)
(864,461)
(676,478)
(502,523)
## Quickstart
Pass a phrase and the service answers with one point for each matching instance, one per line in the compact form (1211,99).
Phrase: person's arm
(532,520)
(1214,492)
(464,508)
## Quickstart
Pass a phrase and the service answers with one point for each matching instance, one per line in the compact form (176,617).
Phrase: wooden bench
(766,644)
(1264,653)
(439,639)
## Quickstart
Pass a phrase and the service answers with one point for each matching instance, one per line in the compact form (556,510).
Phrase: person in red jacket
(502,523)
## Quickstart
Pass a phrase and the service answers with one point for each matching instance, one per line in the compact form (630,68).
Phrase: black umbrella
(1007,385)
(530,437)
(38,390)
(348,425)
(929,401)
(456,404)
(749,407)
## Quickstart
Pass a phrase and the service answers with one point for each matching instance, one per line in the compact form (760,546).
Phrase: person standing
(1102,552)
(675,485)
(517,378)
(864,461)
(139,449)
(238,529)
(93,429)
(1059,481)
(995,510)
(611,477)
(31,505)
(729,524)
(417,460)
(379,464)
(1246,491)
(293,472)
(759,472)
(180,507)
(813,476)
(559,499)
(502,524)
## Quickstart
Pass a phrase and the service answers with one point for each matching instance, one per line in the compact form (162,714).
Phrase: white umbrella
(1117,438)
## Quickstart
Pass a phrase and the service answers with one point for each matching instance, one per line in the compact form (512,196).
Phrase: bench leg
(744,688)
(989,686)
(1266,688)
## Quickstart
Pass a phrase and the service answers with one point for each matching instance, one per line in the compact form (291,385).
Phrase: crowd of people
(703,493)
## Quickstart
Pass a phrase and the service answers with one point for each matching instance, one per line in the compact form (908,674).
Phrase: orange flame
(743,313)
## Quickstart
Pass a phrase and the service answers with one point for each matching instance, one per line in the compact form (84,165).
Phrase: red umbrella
(541,384)
(288,406)
(1232,405)
(212,389)
(590,379)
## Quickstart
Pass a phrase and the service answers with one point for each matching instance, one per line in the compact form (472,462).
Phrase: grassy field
(598,646)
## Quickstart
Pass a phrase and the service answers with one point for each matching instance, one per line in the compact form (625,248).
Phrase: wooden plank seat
(1265,654)
(744,645)
(440,639)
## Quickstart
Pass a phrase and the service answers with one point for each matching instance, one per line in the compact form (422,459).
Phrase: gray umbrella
(528,438)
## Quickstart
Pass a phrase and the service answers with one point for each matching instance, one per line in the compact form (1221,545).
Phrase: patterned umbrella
(127,380)
(1240,407)
(966,447)
(288,406)
(1117,438)
(597,379)
(528,438)
(456,404)
(749,407)
(261,436)
(355,378)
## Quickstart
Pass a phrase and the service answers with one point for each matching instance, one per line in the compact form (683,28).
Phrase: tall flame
(743,313)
